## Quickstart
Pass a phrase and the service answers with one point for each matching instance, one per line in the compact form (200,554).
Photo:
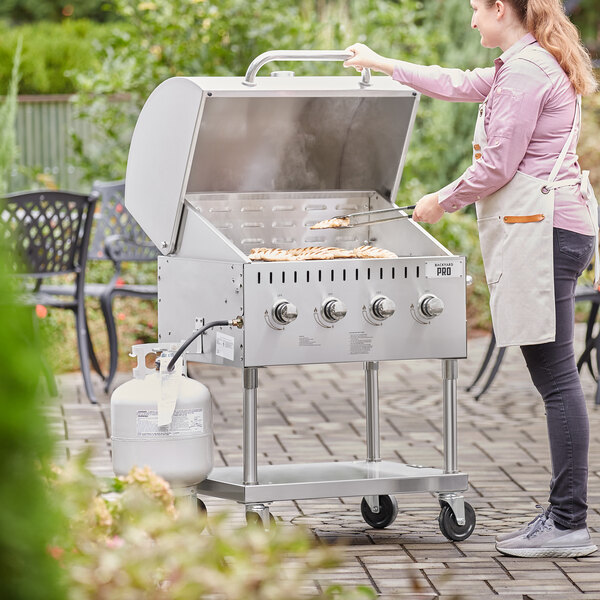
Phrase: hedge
(52,54)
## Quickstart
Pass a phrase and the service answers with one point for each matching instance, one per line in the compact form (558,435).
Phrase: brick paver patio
(316,412)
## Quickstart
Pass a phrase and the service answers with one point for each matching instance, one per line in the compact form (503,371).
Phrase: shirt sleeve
(515,104)
(445,84)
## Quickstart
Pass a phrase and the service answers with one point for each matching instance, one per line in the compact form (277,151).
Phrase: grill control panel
(351,310)
(317,311)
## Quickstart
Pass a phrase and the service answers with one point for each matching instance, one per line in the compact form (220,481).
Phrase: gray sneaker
(513,534)
(544,540)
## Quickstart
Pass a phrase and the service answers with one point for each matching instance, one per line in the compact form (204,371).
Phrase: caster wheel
(253,519)
(451,529)
(388,511)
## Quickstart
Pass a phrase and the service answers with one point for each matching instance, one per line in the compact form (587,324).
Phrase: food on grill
(373,252)
(270,254)
(341,253)
(318,253)
(332,223)
(312,253)
(327,252)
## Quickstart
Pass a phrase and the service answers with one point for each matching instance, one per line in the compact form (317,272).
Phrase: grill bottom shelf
(329,480)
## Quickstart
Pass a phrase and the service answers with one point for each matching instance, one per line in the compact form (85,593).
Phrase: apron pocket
(491,239)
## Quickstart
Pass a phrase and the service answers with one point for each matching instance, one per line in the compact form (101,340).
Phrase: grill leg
(249,416)
(455,500)
(372,409)
(449,380)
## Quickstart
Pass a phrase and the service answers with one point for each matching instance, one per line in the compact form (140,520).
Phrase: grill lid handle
(300,55)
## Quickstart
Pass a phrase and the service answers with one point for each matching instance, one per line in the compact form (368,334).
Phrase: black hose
(192,337)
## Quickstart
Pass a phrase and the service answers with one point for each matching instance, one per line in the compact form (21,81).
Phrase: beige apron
(516,236)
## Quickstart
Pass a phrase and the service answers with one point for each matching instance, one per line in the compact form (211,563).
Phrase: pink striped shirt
(529,115)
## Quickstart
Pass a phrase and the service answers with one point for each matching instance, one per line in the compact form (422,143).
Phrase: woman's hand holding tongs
(428,209)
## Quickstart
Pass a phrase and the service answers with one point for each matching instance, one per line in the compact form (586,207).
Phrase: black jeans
(554,373)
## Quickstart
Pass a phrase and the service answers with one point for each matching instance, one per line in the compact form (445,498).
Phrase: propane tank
(162,420)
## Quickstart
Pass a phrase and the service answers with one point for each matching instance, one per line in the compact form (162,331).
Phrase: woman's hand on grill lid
(365,58)
(428,209)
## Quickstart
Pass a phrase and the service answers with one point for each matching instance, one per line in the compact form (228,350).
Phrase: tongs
(373,217)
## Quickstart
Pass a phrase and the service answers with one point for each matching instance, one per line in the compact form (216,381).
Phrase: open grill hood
(212,136)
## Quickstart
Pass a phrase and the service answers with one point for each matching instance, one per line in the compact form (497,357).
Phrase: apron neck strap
(576,128)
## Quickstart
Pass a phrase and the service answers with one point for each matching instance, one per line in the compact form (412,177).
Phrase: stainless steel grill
(219,166)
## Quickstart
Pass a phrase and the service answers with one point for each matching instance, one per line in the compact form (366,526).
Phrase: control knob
(284,312)
(333,310)
(430,306)
(382,307)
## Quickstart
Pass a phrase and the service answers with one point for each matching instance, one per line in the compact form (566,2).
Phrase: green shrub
(52,53)
(128,539)
(20,11)
(586,17)
(588,148)
(28,518)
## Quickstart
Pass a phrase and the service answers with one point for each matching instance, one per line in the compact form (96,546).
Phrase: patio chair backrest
(49,230)
(117,235)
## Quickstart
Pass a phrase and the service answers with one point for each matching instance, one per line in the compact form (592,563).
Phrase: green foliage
(128,539)
(28,519)
(586,16)
(588,148)
(51,53)
(8,114)
(20,11)
(170,38)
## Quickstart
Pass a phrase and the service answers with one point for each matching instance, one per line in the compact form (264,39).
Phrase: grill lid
(206,135)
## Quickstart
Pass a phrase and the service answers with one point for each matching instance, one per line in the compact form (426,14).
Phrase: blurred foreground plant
(127,539)
(28,515)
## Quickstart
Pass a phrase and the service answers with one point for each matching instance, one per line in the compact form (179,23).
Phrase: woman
(537,219)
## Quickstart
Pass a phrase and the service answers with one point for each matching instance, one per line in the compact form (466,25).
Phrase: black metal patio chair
(583,293)
(49,232)
(116,237)
(592,340)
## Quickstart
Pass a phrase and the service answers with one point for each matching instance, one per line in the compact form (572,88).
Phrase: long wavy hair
(547,21)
